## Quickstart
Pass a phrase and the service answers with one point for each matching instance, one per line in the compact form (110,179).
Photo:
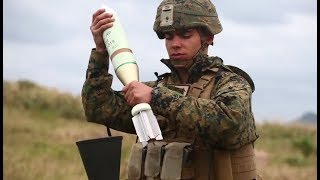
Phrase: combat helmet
(177,14)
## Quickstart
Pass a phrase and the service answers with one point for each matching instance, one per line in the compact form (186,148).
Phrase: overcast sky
(49,42)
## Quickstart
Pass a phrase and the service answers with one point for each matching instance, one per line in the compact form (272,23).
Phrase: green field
(41,127)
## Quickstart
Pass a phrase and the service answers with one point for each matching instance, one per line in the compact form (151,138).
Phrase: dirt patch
(262,158)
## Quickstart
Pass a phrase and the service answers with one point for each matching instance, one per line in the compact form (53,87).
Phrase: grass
(286,147)
(37,149)
(39,139)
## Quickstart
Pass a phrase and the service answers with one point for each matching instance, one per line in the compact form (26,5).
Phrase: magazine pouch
(155,152)
(177,163)
(136,162)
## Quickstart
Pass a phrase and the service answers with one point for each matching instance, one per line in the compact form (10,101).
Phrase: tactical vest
(188,157)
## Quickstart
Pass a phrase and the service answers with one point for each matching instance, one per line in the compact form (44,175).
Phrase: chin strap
(186,64)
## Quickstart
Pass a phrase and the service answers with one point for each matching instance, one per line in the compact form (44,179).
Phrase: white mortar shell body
(121,56)
(128,73)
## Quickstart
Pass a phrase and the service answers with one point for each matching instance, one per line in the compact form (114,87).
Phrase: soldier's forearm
(212,118)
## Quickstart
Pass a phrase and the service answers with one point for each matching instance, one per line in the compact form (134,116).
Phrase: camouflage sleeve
(101,104)
(224,121)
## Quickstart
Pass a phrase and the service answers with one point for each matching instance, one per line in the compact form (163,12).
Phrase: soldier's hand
(137,92)
(100,22)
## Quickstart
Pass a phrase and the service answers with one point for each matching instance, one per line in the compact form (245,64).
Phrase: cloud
(281,59)
(263,12)
(49,42)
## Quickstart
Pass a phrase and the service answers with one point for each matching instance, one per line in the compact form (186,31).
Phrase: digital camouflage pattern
(186,14)
(225,121)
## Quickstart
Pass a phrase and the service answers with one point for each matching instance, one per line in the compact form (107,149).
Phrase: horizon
(277,120)
(51,45)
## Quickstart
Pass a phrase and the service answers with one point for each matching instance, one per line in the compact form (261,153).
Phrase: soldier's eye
(186,33)
(168,36)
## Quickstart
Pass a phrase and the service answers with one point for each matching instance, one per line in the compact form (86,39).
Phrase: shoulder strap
(197,88)
(243,74)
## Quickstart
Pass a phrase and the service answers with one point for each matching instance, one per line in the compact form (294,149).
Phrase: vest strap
(198,87)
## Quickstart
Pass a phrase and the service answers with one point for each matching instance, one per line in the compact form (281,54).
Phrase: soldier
(203,106)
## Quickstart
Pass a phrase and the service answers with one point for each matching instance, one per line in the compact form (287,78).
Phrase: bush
(41,100)
(295,161)
(305,145)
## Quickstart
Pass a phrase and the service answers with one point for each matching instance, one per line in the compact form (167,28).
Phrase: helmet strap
(186,64)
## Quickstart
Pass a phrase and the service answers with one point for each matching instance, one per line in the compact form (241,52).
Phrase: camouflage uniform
(225,121)
(214,116)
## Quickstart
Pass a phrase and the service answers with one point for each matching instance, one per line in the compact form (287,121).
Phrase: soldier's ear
(206,36)
(210,39)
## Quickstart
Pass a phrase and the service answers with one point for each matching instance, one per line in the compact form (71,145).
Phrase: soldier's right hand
(100,22)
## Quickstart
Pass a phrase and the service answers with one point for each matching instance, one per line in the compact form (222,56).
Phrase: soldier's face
(183,44)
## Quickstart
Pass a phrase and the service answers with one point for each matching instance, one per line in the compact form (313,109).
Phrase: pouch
(154,159)
(136,162)
(175,165)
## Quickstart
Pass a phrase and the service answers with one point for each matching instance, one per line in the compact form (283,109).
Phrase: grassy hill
(41,126)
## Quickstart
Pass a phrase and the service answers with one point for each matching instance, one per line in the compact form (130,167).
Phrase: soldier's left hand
(137,92)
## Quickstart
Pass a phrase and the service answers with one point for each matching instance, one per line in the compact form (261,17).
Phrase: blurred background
(47,44)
